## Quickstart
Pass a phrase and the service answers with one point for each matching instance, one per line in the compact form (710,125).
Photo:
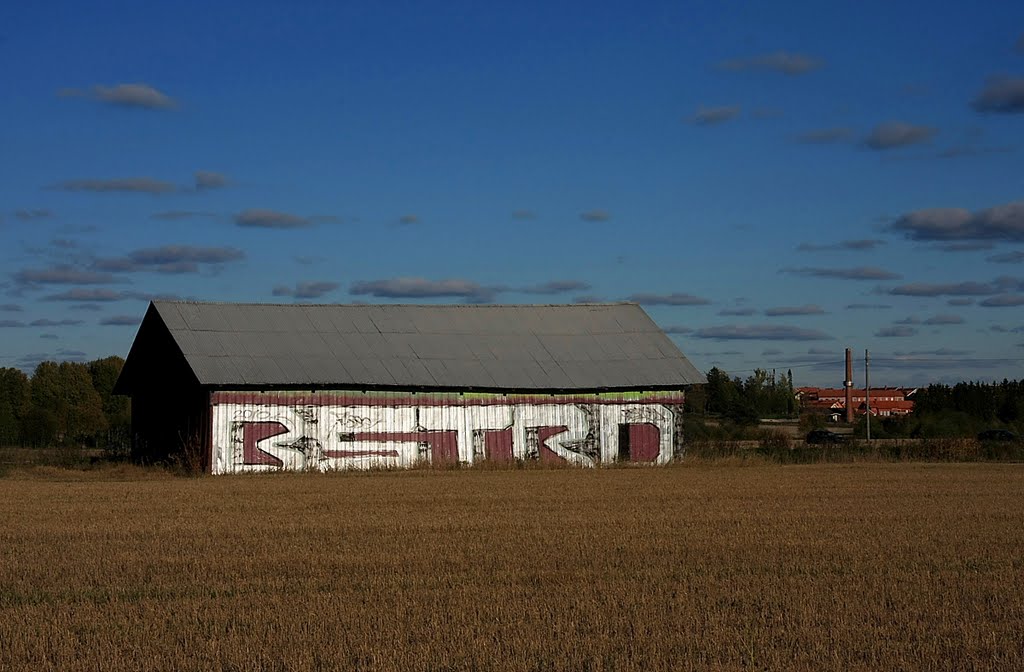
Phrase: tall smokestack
(848,384)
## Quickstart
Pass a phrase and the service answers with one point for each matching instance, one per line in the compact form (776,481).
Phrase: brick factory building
(251,387)
(884,401)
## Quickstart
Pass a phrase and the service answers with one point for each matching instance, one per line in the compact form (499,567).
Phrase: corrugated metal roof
(495,347)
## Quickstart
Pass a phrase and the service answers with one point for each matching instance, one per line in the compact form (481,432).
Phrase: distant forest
(960,410)
(763,394)
(963,409)
(70,403)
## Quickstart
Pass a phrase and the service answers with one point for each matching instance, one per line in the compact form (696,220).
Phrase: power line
(780,366)
(944,360)
(874,360)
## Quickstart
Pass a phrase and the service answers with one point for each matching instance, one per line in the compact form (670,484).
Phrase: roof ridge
(395,305)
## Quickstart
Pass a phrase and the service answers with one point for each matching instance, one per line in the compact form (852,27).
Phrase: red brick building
(884,401)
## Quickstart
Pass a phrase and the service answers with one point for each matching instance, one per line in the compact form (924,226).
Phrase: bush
(773,439)
(811,420)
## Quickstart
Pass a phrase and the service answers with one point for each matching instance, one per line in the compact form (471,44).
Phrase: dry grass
(821,567)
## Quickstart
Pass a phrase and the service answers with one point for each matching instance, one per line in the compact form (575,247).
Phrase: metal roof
(484,347)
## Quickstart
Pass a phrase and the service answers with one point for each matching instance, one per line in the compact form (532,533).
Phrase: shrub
(773,439)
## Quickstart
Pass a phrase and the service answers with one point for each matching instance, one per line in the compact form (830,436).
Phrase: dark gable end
(545,348)
(170,409)
(154,356)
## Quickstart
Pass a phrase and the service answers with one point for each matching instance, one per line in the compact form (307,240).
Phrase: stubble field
(819,567)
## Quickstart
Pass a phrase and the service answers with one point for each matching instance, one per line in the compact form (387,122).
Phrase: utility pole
(848,384)
(867,392)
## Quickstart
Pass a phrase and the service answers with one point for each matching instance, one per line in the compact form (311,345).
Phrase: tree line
(961,410)
(73,404)
(763,394)
(64,404)
(991,402)
(729,407)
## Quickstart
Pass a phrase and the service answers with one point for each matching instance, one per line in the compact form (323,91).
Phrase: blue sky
(774,182)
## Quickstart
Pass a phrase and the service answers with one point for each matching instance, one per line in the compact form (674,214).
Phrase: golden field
(869,566)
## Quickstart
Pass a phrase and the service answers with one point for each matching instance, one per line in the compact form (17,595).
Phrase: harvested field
(816,567)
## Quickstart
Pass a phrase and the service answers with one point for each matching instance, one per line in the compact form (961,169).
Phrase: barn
(235,387)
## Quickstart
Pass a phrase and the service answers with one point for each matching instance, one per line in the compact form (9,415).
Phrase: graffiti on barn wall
(251,438)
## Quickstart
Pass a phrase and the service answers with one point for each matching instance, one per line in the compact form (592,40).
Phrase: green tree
(768,395)
(791,409)
(104,373)
(85,406)
(696,400)
(968,407)
(757,391)
(46,399)
(39,427)
(742,412)
(720,391)
(116,408)
(64,393)
(14,404)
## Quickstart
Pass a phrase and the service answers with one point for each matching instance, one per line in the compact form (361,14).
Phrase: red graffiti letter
(443,444)
(545,433)
(498,445)
(252,434)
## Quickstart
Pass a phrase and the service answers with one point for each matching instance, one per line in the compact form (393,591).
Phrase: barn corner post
(207,445)
(678,430)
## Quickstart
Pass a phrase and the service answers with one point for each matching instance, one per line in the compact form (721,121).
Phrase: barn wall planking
(258,431)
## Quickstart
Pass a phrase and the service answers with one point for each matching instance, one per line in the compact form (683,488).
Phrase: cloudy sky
(774,182)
